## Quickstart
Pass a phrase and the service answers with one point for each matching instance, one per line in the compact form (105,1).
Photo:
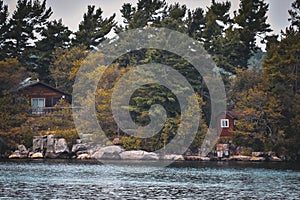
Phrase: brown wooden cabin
(42,96)
(226,123)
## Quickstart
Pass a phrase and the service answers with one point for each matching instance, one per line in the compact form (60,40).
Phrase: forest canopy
(262,85)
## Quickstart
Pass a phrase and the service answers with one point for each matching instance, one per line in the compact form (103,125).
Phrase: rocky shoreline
(49,147)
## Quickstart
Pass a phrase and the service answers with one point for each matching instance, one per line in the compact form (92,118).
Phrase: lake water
(182,180)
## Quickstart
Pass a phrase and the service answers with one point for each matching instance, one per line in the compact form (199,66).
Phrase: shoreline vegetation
(261,84)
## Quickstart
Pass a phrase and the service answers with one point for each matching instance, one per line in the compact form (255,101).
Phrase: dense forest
(261,84)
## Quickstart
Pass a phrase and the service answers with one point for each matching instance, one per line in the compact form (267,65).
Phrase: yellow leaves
(75,68)
(11,74)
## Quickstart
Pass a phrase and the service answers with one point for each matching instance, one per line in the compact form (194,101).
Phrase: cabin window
(37,105)
(224,123)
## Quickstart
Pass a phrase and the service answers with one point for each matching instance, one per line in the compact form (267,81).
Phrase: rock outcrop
(108,152)
(21,152)
(37,155)
(138,155)
(60,146)
(173,157)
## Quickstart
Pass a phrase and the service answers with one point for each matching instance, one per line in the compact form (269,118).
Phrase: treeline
(265,95)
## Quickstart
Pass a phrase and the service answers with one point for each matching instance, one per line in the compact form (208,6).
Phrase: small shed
(42,96)
(226,122)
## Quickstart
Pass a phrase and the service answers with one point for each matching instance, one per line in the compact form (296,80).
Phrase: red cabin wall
(225,132)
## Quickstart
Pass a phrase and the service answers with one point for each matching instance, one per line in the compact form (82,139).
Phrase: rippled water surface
(184,180)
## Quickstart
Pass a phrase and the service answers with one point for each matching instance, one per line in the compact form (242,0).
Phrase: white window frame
(38,109)
(224,123)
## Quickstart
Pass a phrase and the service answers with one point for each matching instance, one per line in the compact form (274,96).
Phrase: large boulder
(21,152)
(138,155)
(14,155)
(240,158)
(109,156)
(37,155)
(50,144)
(84,156)
(22,149)
(274,159)
(132,155)
(17,154)
(97,155)
(79,147)
(108,152)
(173,157)
(114,149)
(257,159)
(258,154)
(150,156)
(61,146)
(37,144)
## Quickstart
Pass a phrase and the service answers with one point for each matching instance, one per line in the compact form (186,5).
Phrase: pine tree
(173,18)
(282,78)
(54,36)
(13,109)
(3,30)
(26,23)
(216,18)
(196,23)
(146,11)
(93,28)
(252,17)
(294,13)
(63,69)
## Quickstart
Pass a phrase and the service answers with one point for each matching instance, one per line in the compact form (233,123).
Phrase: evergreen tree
(252,17)
(93,28)
(222,39)
(67,62)
(282,77)
(147,11)
(196,23)
(173,18)
(216,18)
(54,36)
(3,30)
(11,74)
(227,51)
(294,13)
(26,23)
(13,109)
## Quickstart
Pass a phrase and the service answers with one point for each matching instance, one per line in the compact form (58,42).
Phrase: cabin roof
(34,83)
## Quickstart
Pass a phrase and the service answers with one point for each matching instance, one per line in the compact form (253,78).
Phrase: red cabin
(42,96)
(226,123)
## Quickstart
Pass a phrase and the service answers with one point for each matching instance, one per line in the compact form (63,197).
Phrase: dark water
(183,180)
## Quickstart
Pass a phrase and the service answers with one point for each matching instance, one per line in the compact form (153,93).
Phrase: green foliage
(145,12)
(295,15)
(130,143)
(11,74)
(4,29)
(93,29)
(252,17)
(54,36)
(26,23)
(64,68)
(13,109)
(267,101)
(58,122)
(281,76)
